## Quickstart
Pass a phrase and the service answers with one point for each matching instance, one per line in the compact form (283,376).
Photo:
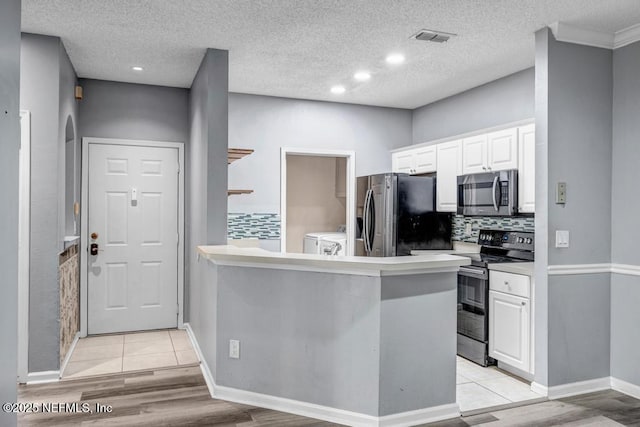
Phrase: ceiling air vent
(432,36)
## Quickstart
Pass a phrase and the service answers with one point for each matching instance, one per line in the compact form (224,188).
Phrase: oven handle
(495,201)
(475,272)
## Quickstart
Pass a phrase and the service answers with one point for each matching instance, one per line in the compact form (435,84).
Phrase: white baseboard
(65,362)
(312,410)
(43,377)
(421,416)
(539,388)
(206,372)
(580,387)
(625,387)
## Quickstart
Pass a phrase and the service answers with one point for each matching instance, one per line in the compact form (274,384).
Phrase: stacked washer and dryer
(325,243)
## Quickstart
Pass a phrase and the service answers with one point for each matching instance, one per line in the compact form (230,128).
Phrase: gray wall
(268,123)
(312,337)
(371,345)
(505,100)
(625,290)
(133,111)
(9,146)
(576,128)
(206,181)
(40,94)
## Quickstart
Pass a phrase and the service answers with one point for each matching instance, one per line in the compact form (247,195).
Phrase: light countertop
(525,268)
(357,265)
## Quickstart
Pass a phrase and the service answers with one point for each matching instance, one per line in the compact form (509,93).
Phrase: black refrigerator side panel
(419,226)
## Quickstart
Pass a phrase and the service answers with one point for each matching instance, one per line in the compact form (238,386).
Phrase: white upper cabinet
(490,152)
(415,161)
(402,161)
(449,167)
(474,154)
(527,169)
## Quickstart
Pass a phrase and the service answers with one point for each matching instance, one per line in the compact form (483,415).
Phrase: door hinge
(178,168)
(177,239)
(177,309)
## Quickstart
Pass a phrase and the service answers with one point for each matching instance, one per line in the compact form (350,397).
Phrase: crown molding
(571,34)
(627,36)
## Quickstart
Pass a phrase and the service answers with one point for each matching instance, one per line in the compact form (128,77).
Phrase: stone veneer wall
(69,280)
(488,223)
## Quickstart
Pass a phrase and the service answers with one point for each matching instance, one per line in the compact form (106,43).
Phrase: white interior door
(133,219)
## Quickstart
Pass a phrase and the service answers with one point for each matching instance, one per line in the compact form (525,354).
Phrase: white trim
(85,223)
(539,388)
(334,270)
(568,269)
(43,377)
(24,237)
(420,416)
(206,372)
(351,188)
(312,410)
(629,270)
(580,387)
(564,32)
(65,362)
(627,36)
(625,387)
(570,34)
(505,126)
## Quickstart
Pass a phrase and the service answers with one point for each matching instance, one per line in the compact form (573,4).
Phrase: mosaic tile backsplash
(488,223)
(264,226)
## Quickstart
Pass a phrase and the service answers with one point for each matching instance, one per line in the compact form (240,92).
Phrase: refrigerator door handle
(365,223)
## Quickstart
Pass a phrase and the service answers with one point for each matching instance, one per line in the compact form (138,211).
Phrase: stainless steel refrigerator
(399,215)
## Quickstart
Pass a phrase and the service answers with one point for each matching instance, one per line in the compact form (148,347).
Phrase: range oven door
(473,297)
(488,194)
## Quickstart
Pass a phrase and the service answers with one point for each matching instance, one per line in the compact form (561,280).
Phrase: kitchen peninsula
(354,340)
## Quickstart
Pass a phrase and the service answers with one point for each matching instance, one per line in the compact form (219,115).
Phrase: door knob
(93,249)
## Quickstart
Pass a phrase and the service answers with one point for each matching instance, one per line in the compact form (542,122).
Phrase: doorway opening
(317,201)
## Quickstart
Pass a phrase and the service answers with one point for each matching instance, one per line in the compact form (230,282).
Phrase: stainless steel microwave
(488,194)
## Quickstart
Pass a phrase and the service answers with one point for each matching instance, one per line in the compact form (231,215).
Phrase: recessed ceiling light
(136,68)
(362,76)
(395,58)
(338,90)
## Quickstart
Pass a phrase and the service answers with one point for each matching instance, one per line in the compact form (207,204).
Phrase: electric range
(497,246)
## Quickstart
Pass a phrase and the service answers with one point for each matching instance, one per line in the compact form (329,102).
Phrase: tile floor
(112,354)
(479,388)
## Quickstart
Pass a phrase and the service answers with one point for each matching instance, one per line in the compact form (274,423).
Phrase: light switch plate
(561,193)
(562,238)
(234,349)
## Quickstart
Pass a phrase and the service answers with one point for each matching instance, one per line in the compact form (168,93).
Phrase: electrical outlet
(562,238)
(468,229)
(234,349)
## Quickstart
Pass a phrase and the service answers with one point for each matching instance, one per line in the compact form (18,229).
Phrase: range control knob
(529,240)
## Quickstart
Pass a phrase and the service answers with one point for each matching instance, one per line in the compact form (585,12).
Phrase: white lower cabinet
(510,327)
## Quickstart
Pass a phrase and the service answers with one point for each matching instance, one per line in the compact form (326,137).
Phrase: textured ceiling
(300,48)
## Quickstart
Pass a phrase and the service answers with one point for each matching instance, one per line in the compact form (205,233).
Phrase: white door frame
(351,187)
(84,230)
(24,233)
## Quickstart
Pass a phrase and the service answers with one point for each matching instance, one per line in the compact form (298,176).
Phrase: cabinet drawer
(515,284)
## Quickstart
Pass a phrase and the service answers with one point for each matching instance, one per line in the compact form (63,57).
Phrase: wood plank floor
(164,397)
(601,409)
(179,397)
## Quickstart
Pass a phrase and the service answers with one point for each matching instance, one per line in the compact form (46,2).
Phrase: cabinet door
(474,154)
(527,169)
(402,161)
(425,159)
(509,329)
(502,150)
(449,166)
